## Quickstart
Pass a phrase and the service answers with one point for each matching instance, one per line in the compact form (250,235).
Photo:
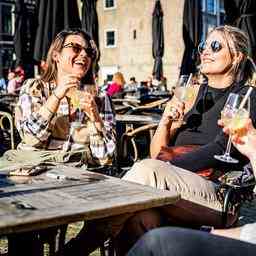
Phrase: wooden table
(67,194)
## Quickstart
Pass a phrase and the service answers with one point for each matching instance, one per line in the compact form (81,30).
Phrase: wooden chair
(5,116)
(149,106)
(130,135)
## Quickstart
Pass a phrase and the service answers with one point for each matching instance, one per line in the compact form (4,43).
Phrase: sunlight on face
(216,63)
(70,62)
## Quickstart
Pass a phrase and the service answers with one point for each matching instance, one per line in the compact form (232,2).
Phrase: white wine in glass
(238,122)
(185,91)
(234,118)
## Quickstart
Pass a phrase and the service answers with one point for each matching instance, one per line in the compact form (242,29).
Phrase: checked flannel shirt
(38,132)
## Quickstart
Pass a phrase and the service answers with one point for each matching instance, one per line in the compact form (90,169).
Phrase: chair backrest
(9,128)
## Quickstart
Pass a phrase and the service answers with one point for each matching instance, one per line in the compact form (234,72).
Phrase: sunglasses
(77,48)
(215,46)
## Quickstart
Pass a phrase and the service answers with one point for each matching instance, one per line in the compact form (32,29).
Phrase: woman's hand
(89,106)
(174,111)
(245,142)
(65,83)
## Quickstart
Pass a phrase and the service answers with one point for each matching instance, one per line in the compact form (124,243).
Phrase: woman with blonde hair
(117,84)
(227,68)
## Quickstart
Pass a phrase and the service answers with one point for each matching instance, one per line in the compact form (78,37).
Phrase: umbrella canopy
(192,30)
(242,14)
(53,16)
(24,36)
(91,25)
(158,40)
(90,19)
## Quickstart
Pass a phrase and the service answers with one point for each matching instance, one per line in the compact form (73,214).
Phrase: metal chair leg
(8,116)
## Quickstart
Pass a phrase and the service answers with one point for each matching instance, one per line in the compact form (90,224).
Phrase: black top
(202,129)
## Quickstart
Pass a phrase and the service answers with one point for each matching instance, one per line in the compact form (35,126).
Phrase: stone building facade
(132,53)
(130,21)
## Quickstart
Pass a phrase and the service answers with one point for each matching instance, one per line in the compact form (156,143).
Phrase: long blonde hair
(119,78)
(237,41)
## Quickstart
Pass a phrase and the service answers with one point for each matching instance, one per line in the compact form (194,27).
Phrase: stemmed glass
(233,117)
(184,90)
(75,101)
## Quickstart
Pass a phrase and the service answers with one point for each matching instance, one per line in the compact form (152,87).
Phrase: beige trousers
(198,205)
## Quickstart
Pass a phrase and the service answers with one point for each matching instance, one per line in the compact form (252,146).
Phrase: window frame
(12,18)
(109,8)
(115,38)
(214,12)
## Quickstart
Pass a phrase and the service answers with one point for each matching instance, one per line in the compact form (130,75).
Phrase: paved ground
(248,213)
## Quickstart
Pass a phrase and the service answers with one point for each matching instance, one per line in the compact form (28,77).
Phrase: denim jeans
(186,242)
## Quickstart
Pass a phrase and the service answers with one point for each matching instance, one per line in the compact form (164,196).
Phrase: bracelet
(54,94)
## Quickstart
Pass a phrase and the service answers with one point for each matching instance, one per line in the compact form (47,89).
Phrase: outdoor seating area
(127,128)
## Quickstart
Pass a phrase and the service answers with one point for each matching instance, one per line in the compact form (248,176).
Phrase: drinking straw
(245,98)
(250,89)
(189,79)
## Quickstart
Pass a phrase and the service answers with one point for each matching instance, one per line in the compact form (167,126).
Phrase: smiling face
(218,62)
(71,61)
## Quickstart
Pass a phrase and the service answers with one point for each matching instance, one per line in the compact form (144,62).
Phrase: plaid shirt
(52,133)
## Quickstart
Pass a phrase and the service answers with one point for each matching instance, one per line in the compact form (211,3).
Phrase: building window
(213,15)
(211,6)
(110,38)
(109,4)
(134,34)
(6,19)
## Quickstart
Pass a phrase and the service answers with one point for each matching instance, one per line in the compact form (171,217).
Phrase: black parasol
(192,30)
(53,16)
(24,36)
(158,40)
(90,19)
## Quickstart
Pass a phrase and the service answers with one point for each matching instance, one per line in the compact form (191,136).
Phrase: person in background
(12,85)
(185,242)
(117,84)
(133,84)
(163,84)
(15,80)
(3,86)
(103,88)
(20,73)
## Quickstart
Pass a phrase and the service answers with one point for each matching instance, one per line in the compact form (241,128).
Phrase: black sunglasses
(215,46)
(77,48)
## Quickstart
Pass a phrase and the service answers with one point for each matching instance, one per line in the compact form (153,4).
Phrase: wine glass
(234,118)
(184,90)
(75,101)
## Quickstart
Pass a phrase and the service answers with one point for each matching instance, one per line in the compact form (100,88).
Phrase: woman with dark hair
(46,111)
(46,107)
